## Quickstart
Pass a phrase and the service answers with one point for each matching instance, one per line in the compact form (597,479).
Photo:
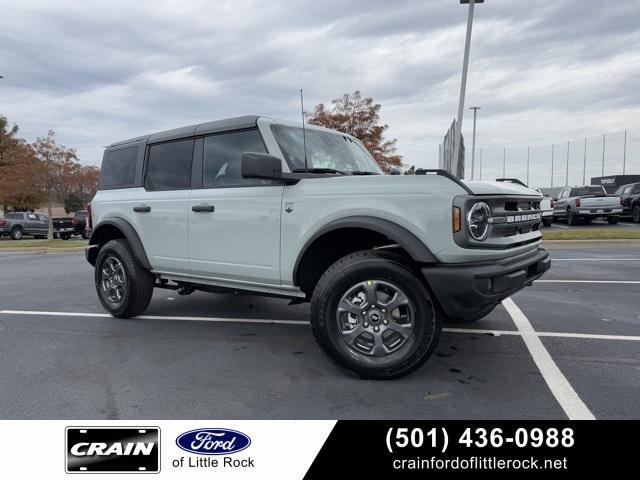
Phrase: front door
(234,223)
(160,211)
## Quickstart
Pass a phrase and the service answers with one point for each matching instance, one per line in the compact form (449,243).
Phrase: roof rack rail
(444,173)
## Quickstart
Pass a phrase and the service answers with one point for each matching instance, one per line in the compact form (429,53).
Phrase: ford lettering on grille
(213,441)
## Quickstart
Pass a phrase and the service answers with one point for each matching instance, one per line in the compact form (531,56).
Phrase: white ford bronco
(258,205)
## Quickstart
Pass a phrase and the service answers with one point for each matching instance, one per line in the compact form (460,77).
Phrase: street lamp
(473,145)
(463,85)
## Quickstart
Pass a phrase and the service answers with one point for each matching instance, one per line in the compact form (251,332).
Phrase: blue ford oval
(213,441)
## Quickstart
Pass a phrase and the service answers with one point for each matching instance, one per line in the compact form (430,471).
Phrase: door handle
(203,208)
(142,209)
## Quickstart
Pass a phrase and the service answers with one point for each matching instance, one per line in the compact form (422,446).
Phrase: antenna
(304,133)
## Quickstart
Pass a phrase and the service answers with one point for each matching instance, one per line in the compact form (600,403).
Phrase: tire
(374,280)
(587,220)
(547,221)
(65,236)
(124,287)
(572,218)
(612,220)
(635,214)
(471,319)
(16,233)
(85,235)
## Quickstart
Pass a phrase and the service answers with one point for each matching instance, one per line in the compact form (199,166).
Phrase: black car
(630,199)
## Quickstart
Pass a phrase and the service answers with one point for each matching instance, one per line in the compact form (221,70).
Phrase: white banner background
(281,449)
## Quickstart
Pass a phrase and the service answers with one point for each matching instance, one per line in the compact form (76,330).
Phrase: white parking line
(608,259)
(630,282)
(560,387)
(478,331)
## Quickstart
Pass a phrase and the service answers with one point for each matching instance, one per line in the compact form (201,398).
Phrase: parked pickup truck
(586,203)
(17,224)
(63,227)
(264,206)
(630,198)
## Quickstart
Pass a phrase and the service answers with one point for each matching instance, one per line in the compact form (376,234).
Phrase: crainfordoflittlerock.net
(480,463)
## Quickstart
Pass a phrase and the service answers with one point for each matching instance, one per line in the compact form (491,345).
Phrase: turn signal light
(457,220)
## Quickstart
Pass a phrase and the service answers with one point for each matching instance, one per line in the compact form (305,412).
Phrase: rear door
(160,210)
(234,222)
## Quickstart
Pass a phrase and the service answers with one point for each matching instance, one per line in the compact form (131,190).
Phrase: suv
(630,199)
(17,224)
(265,206)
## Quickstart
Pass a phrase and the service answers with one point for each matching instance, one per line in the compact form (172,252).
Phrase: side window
(169,166)
(637,188)
(221,159)
(43,218)
(13,216)
(627,190)
(32,216)
(119,168)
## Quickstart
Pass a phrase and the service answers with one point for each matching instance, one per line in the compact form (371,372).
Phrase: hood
(499,188)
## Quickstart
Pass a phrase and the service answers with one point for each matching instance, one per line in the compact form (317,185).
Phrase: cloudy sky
(543,71)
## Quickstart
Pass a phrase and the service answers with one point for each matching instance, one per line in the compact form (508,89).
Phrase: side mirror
(260,165)
(395,171)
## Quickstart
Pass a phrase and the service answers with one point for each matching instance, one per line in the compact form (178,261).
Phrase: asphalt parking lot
(567,346)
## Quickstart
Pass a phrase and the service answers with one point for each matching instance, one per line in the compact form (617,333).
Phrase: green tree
(359,117)
(73,203)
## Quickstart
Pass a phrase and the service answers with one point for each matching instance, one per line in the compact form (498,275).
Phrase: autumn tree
(17,163)
(359,117)
(57,168)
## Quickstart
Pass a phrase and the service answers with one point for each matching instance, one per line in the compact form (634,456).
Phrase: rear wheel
(85,234)
(635,214)
(16,233)
(547,221)
(65,236)
(124,286)
(372,316)
(572,218)
(613,219)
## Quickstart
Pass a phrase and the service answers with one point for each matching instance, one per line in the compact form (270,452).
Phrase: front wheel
(124,286)
(372,316)
(635,214)
(613,220)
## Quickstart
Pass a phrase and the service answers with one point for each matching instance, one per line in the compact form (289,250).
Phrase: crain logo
(213,441)
(113,449)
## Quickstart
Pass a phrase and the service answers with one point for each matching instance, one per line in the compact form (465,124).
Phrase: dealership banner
(288,449)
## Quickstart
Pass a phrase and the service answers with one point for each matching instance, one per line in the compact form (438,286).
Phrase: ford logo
(213,441)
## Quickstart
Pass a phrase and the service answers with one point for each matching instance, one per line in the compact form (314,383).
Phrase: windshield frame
(371,165)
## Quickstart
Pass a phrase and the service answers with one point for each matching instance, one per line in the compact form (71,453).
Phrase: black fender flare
(128,232)
(416,249)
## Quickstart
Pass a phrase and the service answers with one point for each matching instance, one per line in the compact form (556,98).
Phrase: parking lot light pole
(463,84)
(473,146)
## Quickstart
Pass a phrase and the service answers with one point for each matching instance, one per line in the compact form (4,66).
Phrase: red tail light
(74,221)
(621,201)
(3,223)
(578,202)
(89,219)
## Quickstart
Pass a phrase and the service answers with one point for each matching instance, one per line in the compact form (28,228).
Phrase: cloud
(545,71)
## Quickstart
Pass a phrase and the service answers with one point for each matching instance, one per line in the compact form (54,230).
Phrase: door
(560,205)
(234,223)
(43,224)
(160,211)
(31,224)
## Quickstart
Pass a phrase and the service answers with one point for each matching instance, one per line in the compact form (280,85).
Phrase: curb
(41,251)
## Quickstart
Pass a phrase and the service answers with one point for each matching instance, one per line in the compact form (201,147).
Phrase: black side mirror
(260,165)
(395,171)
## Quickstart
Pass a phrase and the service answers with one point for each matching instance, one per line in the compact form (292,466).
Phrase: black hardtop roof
(235,123)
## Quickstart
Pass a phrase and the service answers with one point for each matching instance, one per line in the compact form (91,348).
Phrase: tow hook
(186,289)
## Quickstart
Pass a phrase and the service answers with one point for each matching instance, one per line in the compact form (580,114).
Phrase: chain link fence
(560,164)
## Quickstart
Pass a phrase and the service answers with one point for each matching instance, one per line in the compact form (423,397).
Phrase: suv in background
(17,224)
(630,199)
(264,206)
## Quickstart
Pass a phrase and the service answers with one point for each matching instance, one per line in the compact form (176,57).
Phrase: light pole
(463,84)
(473,145)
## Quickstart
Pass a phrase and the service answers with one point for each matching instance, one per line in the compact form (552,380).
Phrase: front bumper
(470,289)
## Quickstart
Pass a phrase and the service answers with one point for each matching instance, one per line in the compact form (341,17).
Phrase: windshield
(324,150)
(584,191)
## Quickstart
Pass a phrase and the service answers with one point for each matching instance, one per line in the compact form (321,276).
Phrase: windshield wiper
(363,172)
(317,170)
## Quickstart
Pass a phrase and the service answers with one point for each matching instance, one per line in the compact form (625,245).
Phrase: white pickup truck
(574,204)
(258,205)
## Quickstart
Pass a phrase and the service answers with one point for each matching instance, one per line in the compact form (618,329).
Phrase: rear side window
(119,168)
(13,216)
(169,166)
(221,160)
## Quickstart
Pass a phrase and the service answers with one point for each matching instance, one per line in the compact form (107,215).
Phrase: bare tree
(57,167)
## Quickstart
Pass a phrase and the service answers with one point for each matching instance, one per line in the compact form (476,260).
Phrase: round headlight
(478,220)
